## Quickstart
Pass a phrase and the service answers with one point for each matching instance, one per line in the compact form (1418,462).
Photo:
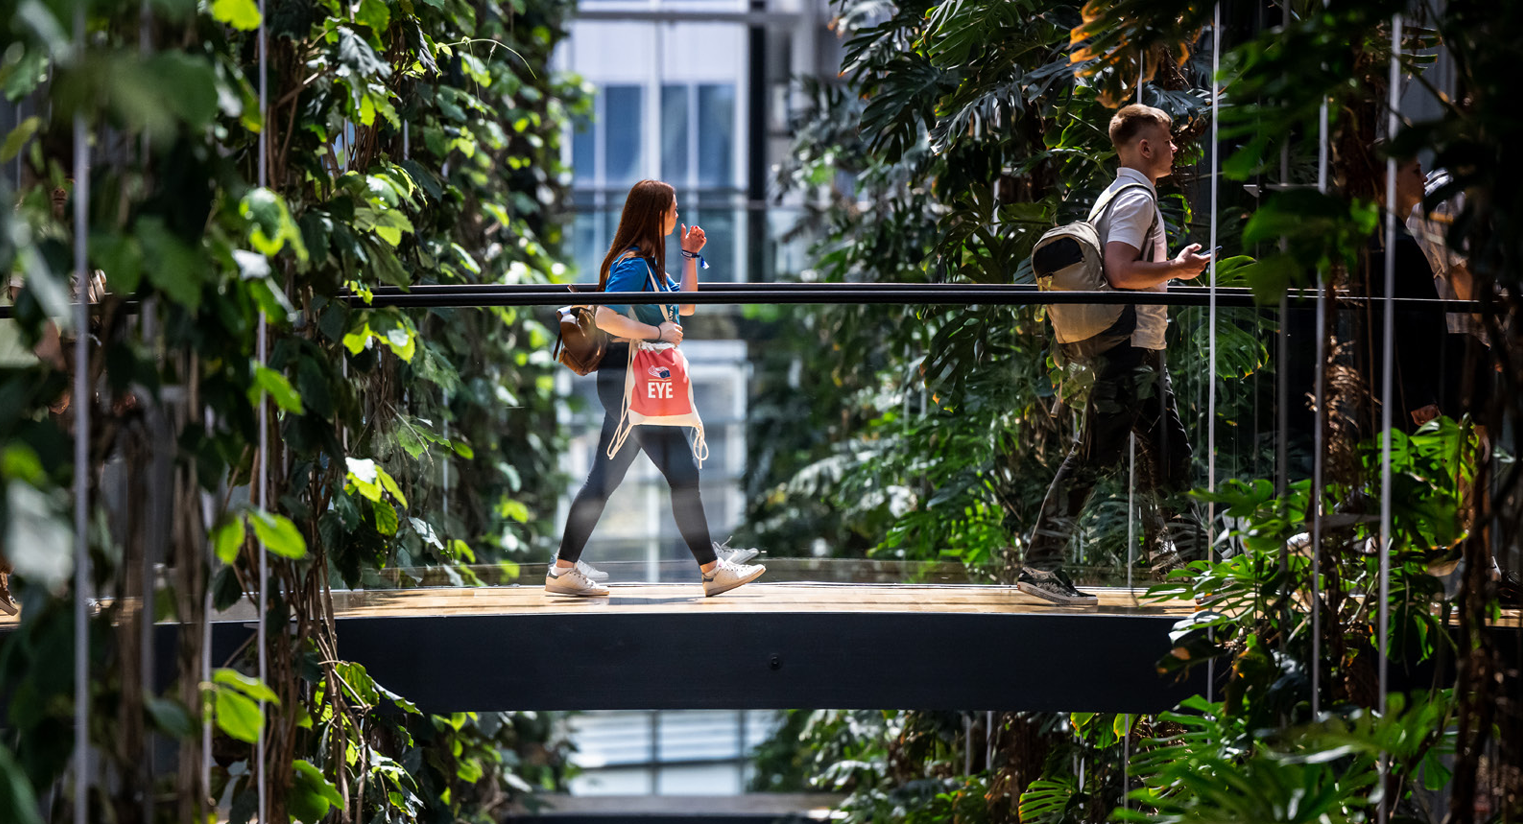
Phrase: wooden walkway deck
(645,599)
(763,646)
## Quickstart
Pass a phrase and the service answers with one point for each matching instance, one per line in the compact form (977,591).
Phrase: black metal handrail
(476,295)
(545,294)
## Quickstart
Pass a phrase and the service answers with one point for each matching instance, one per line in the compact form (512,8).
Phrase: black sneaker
(1054,587)
(1508,591)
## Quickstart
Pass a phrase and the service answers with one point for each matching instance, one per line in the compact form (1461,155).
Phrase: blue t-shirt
(632,274)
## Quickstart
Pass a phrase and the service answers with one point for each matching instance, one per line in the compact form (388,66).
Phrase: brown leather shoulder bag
(580,344)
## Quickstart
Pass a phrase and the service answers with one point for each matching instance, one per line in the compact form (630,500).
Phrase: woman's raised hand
(693,239)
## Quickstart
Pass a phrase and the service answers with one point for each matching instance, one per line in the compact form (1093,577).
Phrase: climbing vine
(405,143)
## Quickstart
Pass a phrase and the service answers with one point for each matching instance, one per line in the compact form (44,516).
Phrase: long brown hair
(642,225)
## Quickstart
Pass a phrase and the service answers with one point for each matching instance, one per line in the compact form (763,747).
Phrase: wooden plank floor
(752,599)
(792,597)
(788,597)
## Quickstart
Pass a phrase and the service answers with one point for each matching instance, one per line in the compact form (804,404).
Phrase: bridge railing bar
(468,296)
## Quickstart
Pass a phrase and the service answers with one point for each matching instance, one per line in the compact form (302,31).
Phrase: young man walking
(1131,391)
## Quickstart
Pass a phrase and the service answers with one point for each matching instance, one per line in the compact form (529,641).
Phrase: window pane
(584,161)
(621,127)
(722,249)
(586,248)
(716,134)
(674,135)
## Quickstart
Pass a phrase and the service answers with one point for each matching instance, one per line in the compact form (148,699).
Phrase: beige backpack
(1071,258)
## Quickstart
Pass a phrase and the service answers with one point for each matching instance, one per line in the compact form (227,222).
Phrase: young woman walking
(636,262)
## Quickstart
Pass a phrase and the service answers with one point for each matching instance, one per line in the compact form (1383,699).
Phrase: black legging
(668,449)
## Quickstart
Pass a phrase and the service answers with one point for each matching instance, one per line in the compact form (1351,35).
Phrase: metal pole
(1282,382)
(1131,510)
(261,480)
(158,531)
(1319,391)
(1216,42)
(989,742)
(81,404)
(1388,333)
(1126,761)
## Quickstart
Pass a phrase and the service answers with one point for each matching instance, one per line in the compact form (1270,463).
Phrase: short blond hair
(1133,119)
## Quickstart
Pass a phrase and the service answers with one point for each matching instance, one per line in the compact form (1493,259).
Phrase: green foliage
(962,130)
(932,432)
(408,143)
(1216,769)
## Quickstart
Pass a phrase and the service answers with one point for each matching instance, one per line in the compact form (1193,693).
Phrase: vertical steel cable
(988,741)
(1282,383)
(152,546)
(1216,56)
(262,480)
(81,404)
(1319,391)
(1388,333)
(206,654)
(1131,512)
(1126,760)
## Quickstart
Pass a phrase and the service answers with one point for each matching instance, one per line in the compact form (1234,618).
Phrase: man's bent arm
(1125,271)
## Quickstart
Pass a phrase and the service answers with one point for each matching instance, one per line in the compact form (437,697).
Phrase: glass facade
(671,102)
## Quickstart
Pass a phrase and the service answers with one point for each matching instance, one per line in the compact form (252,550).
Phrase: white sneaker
(1300,544)
(571,582)
(734,556)
(592,572)
(727,576)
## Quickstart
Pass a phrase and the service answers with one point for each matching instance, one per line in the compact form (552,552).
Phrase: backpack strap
(1103,207)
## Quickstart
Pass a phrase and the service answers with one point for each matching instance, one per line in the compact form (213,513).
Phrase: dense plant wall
(404,143)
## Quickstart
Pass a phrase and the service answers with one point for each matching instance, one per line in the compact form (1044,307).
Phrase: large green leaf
(246,684)
(18,804)
(240,14)
(194,82)
(227,538)
(278,534)
(271,226)
(237,715)
(364,475)
(311,793)
(386,521)
(390,484)
(18,138)
(279,388)
(172,266)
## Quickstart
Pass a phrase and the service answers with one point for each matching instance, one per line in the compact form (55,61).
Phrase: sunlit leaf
(237,715)
(278,534)
(227,539)
(240,14)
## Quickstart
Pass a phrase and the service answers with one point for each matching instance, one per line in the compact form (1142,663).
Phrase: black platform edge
(741,661)
(732,661)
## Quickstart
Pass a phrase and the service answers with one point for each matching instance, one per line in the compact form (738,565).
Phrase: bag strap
(625,427)
(1103,206)
(655,287)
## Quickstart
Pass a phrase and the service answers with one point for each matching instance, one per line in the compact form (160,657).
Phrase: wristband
(702,264)
(657,338)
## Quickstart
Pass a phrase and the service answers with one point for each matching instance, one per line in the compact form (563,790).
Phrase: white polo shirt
(1127,222)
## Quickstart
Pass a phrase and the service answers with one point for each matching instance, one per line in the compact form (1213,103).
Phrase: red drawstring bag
(658,392)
